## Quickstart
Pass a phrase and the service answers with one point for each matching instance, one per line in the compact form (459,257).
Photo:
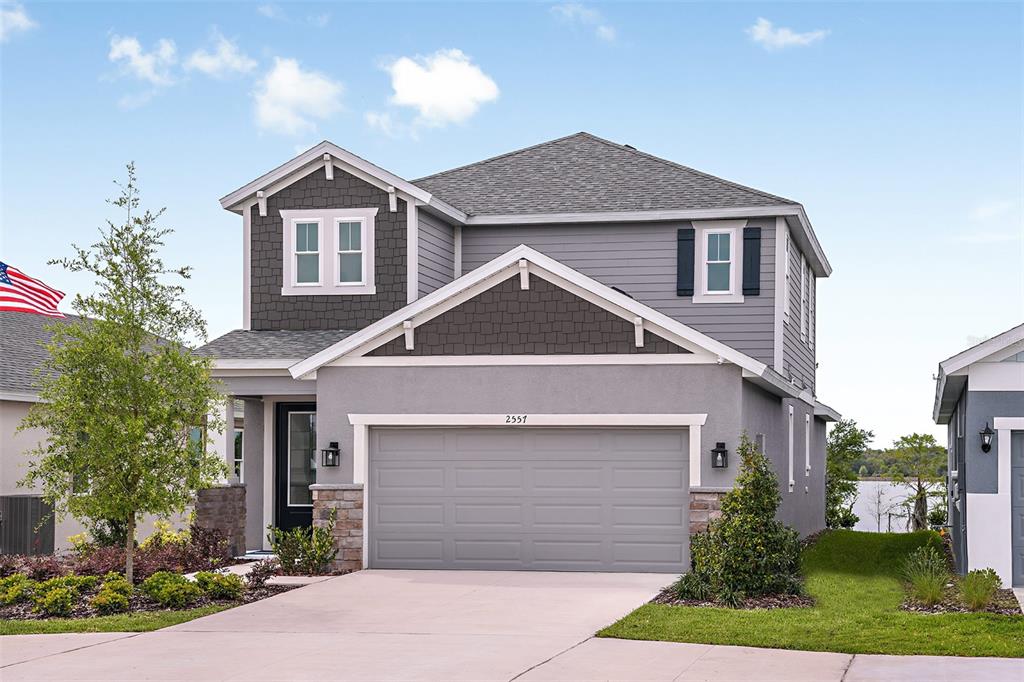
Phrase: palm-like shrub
(747,552)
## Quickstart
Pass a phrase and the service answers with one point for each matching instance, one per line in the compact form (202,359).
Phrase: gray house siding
(798,356)
(272,310)
(767,415)
(640,259)
(982,468)
(577,389)
(957,494)
(437,253)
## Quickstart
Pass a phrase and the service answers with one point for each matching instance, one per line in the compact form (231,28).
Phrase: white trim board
(507,265)
(520,360)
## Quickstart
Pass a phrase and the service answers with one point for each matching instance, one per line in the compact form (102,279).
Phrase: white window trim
(791,481)
(702,228)
(803,298)
(807,445)
(329,274)
(786,292)
(362,251)
(292,255)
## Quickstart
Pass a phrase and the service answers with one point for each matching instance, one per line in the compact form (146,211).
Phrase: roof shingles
(584,173)
(244,344)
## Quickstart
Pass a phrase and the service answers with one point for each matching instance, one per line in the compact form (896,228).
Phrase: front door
(295,455)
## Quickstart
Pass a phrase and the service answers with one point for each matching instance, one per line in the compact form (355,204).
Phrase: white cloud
(765,34)
(445,87)
(224,60)
(270,11)
(153,66)
(579,14)
(989,210)
(288,98)
(14,19)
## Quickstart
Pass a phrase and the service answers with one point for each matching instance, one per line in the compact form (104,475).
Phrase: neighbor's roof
(285,344)
(22,336)
(585,173)
(952,378)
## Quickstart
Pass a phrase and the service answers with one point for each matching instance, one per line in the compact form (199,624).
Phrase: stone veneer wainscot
(346,499)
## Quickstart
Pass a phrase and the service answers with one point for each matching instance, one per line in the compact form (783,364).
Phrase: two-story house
(543,360)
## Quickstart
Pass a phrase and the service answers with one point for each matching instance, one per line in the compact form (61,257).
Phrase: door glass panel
(301,457)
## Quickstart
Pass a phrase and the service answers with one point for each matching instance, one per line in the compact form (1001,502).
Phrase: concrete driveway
(445,625)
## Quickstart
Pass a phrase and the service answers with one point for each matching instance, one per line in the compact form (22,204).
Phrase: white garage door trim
(361,424)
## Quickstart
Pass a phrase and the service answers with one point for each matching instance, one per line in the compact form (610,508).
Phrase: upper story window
(307,253)
(718,253)
(328,251)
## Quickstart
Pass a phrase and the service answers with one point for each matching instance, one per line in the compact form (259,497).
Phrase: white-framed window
(344,250)
(306,237)
(792,482)
(239,461)
(807,445)
(351,256)
(718,255)
(803,299)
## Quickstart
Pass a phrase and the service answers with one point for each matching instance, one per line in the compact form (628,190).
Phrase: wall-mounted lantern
(986,438)
(719,456)
(331,455)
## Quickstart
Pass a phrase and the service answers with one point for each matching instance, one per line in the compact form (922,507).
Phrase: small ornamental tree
(919,462)
(747,552)
(121,390)
(845,445)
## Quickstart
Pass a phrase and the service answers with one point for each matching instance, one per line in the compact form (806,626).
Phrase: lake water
(879,506)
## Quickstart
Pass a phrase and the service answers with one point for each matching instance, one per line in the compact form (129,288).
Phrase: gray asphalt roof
(21,349)
(244,344)
(581,173)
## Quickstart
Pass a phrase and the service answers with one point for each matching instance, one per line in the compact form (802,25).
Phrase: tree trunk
(129,550)
(920,515)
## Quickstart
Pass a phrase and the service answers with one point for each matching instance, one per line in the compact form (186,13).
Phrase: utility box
(20,529)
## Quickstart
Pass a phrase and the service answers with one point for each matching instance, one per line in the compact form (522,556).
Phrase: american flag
(25,294)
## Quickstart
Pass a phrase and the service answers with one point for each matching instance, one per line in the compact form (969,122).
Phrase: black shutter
(684,262)
(751,261)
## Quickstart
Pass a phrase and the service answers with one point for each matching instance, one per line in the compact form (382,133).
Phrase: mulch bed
(1004,603)
(139,603)
(668,597)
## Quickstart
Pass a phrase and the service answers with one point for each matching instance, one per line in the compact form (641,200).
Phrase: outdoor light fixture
(986,438)
(331,455)
(719,456)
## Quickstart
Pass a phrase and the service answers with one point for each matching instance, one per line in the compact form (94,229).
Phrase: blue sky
(898,126)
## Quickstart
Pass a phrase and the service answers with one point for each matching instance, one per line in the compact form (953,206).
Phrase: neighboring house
(980,395)
(22,353)
(531,362)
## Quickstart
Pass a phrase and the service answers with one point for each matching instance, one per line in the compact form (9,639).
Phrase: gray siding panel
(437,253)
(798,357)
(640,259)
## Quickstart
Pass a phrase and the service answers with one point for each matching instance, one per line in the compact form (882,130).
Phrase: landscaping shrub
(220,585)
(75,583)
(926,572)
(746,552)
(303,550)
(690,586)
(978,588)
(41,567)
(58,601)
(109,601)
(171,590)
(9,565)
(99,561)
(260,572)
(16,588)
(194,550)
(164,534)
(115,582)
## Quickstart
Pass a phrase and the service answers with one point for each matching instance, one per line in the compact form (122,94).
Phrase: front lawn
(125,622)
(854,579)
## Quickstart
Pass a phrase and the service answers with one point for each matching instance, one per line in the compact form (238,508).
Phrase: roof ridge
(680,166)
(502,156)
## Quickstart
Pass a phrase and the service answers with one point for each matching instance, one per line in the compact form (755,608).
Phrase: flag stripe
(35,285)
(21,293)
(39,300)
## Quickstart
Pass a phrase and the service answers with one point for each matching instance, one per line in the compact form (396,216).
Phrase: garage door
(582,499)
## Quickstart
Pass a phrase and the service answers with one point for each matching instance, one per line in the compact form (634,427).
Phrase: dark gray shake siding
(797,355)
(768,415)
(542,320)
(640,259)
(616,389)
(437,252)
(272,310)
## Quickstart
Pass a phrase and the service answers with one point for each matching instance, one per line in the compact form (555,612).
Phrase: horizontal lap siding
(437,253)
(640,259)
(797,356)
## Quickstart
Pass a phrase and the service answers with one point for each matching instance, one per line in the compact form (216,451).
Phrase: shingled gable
(524,263)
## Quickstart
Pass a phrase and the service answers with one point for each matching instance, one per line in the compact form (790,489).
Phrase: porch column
(224,441)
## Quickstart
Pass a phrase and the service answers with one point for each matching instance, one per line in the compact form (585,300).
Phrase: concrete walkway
(438,625)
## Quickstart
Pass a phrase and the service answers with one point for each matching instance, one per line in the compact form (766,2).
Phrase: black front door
(295,464)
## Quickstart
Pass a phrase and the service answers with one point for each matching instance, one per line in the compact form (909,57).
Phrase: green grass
(854,579)
(127,622)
